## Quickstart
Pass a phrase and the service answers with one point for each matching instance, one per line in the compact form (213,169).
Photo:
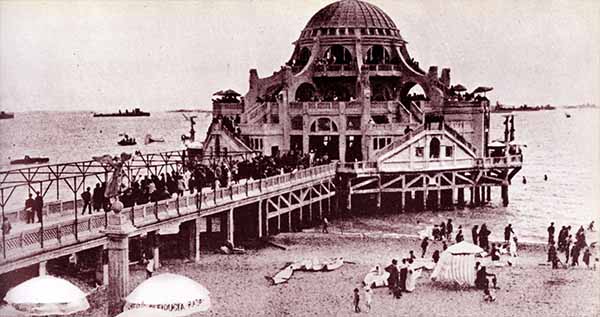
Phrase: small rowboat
(334,264)
(283,275)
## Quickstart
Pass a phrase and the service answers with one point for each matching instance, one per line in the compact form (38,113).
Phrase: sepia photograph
(299,158)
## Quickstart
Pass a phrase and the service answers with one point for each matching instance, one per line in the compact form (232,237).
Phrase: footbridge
(250,209)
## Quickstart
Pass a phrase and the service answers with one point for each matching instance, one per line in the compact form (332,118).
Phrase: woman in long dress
(414,272)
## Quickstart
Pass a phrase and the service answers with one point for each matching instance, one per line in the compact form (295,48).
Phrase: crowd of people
(572,248)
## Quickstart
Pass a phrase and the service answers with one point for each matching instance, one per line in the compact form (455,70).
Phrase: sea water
(567,150)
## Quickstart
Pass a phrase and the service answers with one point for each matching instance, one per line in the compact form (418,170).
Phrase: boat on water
(134,113)
(30,160)
(149,139)
(6,115)
(126,141)
(568,115)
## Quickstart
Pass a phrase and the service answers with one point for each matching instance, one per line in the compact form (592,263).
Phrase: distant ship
(6,115)
(30,160)
(134,113)
(503,108)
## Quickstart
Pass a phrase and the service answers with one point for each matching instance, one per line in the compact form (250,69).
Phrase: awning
(459,87)
(496,144)
(228,92)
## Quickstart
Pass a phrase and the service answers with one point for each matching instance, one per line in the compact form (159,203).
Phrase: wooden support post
(489,193)
(461,197)
(42,268)
(402,201)
(310,215)
(290,214)
(267,222)
(439,199)
(194,239)
(278,213)
(471,201)
(260,219)
(477,195)
(349,197)
(230,227)
(379,188)
(329,198)
(505,195)
(155,240)
(425,193)
(320,203)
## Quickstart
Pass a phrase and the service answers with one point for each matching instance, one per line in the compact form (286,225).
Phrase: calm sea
(565,149)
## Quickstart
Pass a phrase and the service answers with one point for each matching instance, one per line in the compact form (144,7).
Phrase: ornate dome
(351,13)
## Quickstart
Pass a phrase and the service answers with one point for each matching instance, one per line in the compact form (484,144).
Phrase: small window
(419,152)
(363,31)
(353,123)
(381,143)
(297,123)
(375,144)
(331,31)
(323,31)
(449,151)
(215,224)
(342,31)
(275,118)
(387,32)
(315,32)
(351,31)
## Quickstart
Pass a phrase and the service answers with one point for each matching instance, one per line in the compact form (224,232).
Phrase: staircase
(398,142)
(255,114)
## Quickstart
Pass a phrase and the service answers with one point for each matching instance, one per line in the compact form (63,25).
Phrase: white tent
(457,264)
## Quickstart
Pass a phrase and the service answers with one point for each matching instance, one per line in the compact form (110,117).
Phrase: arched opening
(323,125)
(306,92)
(336,93)
(381,93)
(412,92)
(338,54)
(434,148)
(303,57)
(377,54)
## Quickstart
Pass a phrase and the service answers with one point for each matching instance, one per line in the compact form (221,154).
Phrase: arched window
(303,57)
(323,125)
(297,123)
(377,54)
(434,148)
(412,92)
(338,54)
(305,92)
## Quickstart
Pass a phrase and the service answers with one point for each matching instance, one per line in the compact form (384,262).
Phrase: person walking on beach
(591,226)
(568,246)
(29,209)
(552,255)
(403,275)
(368,298)
(507,232)
(562,237)
(393,277)
(38,206)
(586,257)
(86,196)
(325,225)
(424,245)
(474,234)
(483,237)
(449,229)
(444,246)
(459,235)
(575,255)
(356,301)
(551,233)
(443,230)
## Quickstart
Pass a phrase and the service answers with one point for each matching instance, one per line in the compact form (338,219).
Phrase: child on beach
(356,301)
(368,298)
(488,295)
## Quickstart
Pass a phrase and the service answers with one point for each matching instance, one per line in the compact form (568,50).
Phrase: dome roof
(351,13)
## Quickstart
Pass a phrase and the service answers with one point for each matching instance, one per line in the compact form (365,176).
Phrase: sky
(106,55)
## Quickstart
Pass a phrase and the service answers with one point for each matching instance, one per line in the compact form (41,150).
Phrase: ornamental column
(117,230)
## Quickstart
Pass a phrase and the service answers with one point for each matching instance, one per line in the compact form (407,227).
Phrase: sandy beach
(239,288)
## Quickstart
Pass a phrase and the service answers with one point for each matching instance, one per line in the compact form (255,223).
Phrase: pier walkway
(62,233)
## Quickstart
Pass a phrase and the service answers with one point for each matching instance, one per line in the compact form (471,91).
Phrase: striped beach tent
(457,265)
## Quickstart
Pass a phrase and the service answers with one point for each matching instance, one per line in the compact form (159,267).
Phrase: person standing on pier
(449,229)
(38,206)
(443,230)
(474,234)
(86,196)
(97,197)
(551,233)
(29,209)
(6,227)
(325,225)
(507,233)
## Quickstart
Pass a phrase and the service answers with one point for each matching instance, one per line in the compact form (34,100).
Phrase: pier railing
(66,230)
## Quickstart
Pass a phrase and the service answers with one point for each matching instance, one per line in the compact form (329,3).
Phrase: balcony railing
(381,67)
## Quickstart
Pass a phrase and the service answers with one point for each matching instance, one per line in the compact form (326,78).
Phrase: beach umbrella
(464,247)
(144,312)
(459,87)
(482,89)
(496,144)
(228,92)
(47,295)
(176,294)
